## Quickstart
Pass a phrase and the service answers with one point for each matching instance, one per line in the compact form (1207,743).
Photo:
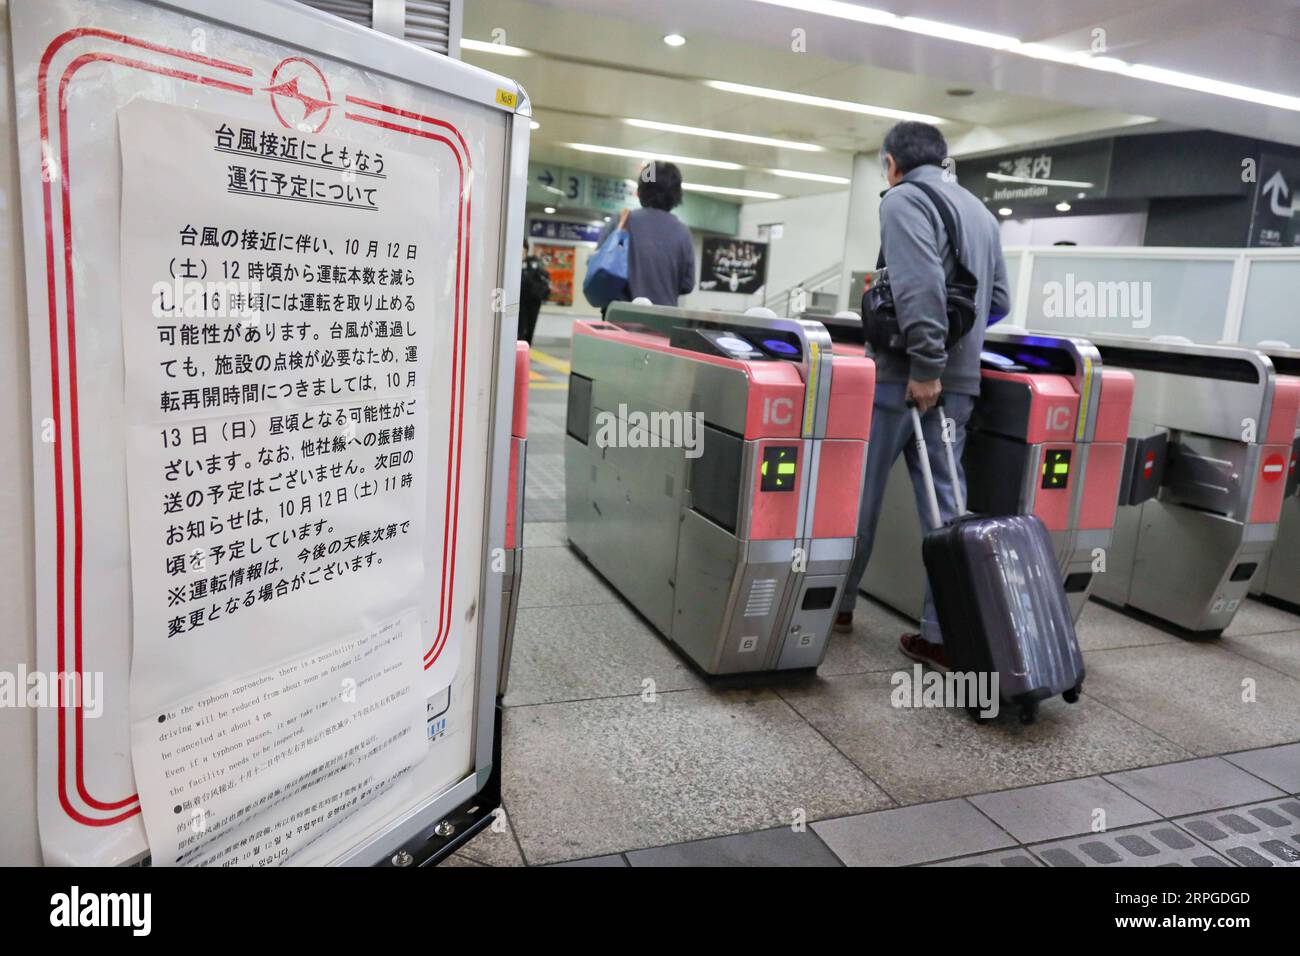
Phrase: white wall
(812,237)
(1111,229)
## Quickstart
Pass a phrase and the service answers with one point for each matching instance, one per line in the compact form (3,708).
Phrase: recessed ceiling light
(806,99)
(549,210)
(1062,207)
(813,177)
(675,39)
(1041,51)
(730,191)
(534,125)
(662,157)
(719,134)
(502,49)
(1004,211)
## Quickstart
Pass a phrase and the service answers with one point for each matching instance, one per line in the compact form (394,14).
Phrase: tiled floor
(618,753)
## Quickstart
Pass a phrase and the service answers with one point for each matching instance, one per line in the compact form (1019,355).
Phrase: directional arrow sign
(546,179)
(1277,191)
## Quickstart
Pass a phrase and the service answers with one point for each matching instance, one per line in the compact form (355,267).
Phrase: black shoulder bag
(879,318)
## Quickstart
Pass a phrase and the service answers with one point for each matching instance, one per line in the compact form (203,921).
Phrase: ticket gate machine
(1047,437)
(1279,576)
(713,466)
(1208,514)
(512,552)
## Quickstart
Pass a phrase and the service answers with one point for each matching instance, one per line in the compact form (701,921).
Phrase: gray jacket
(920,259)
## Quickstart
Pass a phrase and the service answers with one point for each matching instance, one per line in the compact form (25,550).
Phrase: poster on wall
(559,261)
(733,265)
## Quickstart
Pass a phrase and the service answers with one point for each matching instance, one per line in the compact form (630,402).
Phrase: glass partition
(1271,310)
(1129,295)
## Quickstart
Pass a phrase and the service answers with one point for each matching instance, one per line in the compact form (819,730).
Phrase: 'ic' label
(1058,418)
(778,411)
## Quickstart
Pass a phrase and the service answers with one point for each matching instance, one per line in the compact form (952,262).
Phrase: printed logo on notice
(128,910)
(299,91)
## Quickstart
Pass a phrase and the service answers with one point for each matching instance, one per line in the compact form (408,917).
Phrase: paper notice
(254,769)
(281,310)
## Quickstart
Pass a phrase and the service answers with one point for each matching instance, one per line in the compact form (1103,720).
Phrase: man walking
(919,256)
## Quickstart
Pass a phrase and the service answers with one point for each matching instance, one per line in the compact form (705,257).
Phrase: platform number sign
(778,468)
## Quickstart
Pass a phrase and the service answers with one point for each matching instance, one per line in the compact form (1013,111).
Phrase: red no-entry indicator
(1274,467)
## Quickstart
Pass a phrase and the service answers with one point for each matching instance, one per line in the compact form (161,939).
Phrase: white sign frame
(371,838)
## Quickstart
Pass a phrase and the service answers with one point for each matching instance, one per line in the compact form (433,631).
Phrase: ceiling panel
(599,61)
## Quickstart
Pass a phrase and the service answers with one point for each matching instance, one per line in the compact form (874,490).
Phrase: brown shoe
(919,649)
(844,622)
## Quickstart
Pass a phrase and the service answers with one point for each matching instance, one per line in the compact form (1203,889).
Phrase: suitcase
(999,598)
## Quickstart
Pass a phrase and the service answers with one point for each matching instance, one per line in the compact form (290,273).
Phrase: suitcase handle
(927,475)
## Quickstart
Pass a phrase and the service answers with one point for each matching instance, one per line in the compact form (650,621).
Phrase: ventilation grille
(762,593)
(429,23)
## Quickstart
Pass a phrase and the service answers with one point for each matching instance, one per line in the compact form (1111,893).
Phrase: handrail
(780,301)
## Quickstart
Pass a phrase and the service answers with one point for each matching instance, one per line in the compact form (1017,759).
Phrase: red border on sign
(130,805)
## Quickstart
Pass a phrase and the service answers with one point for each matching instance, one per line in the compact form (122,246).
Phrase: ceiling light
(882,18)
(822,101)
(662,157)
(1004,211)
(1008,178)
(675,39)
(719,134)
(534,125)
(483,46)
(812,177)
(1062,207)
(730,191)
(1040,51)
(549,210)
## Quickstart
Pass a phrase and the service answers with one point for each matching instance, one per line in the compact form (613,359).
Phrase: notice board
(265,269)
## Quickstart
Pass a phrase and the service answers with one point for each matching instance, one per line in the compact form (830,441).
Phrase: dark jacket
(660,257)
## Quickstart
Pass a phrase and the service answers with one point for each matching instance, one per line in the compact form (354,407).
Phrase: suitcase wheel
(1029,712)
(1071,696)
(978,716)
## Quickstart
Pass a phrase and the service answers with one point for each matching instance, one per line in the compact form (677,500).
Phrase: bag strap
(945,215)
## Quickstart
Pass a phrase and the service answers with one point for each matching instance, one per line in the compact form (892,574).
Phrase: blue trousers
(891,436)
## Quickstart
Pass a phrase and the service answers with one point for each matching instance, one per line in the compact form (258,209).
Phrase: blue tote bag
(606,278)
